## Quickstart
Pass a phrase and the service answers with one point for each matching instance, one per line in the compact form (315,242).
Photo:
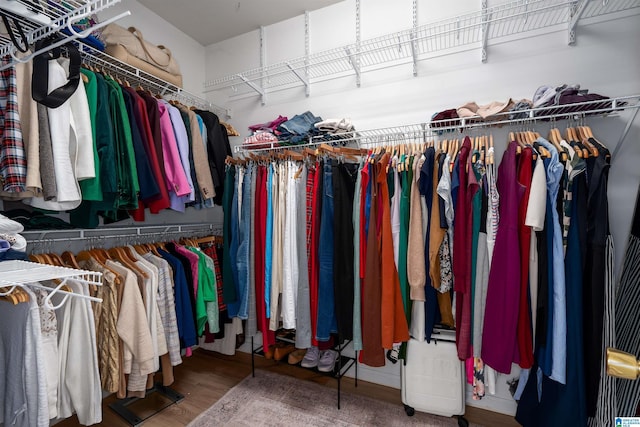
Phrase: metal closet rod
(128,72)
(432,129)
(124,232)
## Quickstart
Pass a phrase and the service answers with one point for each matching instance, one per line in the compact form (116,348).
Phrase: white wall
(188,53)
(605,60)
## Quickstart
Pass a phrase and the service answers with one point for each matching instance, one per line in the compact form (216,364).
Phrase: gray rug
(278,400)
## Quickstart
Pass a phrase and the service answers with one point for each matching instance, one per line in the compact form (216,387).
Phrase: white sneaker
(327,361)
(311,358)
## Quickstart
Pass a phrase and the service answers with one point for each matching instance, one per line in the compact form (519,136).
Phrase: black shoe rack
(342,366)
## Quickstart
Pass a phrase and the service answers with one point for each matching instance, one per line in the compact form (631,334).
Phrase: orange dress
(394,322)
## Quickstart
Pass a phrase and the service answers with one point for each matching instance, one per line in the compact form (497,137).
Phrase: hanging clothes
(500,321)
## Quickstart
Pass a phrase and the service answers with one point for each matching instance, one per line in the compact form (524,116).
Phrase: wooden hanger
(119,254)
(491,151)
(517,137)
(584,138)
(456,146)
(13,298)
(293,155)
(70,260)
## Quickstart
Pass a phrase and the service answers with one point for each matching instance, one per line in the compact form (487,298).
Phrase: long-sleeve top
(176,178)
(182,140)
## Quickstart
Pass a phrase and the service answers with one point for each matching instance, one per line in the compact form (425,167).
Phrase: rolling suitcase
(433,378)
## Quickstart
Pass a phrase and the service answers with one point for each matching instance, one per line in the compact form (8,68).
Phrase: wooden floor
(206,377)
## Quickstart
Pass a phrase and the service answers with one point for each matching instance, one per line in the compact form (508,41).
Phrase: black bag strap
(25,44)
(40,79)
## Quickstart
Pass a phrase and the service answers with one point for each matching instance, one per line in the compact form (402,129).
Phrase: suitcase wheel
(409,411)
(462,421)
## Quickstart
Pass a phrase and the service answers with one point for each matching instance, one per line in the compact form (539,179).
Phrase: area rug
(270,399)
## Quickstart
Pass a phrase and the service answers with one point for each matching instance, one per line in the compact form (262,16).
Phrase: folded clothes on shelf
(299,128)
(260,139)
(269,126)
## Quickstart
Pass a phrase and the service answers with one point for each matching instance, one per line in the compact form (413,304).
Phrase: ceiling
(211,21)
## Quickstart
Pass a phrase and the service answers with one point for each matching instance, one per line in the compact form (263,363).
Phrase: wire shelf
(54,16)
(18,272)
(604,7)
(467,31)
(98,236)
(135,76)
(420,131)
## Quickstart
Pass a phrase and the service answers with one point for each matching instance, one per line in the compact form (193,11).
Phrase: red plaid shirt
(13,161)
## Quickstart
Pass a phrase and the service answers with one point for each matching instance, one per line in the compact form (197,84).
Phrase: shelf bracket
(486,17)
(263,60)
(356,63)
(625,132)
(414,36)
(577,9)
(302,78)
(307,51)
(252,85)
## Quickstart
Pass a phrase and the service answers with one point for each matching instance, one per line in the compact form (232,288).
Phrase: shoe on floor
(282,350)
(268,354)
(296,356)
(327,361)
(310,359)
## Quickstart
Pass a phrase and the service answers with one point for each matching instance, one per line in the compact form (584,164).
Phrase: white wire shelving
(17,273)
(40,20)
(135,76)
(53,16)
(45,239)
(513,20)
(420,132)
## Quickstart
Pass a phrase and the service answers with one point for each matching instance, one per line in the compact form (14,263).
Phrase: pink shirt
(176,178)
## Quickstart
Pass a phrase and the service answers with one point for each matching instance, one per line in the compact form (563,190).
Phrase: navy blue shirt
(184,312)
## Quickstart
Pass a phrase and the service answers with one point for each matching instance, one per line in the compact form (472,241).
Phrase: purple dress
(499,345)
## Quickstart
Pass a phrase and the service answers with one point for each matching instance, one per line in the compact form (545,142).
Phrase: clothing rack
(52,18)
(118,236)
(422,131)
(135,76)
(132,234)
(17,274)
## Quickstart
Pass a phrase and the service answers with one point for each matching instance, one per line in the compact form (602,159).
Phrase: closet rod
(576,111)
(146,80)
(101,234)
(605,107)
(312,142)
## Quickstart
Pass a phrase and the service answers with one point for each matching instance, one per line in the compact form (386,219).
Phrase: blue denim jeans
(327,322)
(245,241)
(233,306)
(298,127)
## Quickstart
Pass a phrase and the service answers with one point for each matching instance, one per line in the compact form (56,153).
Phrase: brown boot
(282,350)
(268,354)
(296,356)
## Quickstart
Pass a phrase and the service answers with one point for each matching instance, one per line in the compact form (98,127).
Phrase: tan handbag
(132,40)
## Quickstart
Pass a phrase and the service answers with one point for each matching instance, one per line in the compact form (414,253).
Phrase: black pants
(344,184)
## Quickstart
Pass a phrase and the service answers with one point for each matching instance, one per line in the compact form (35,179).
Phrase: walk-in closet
(319,212)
